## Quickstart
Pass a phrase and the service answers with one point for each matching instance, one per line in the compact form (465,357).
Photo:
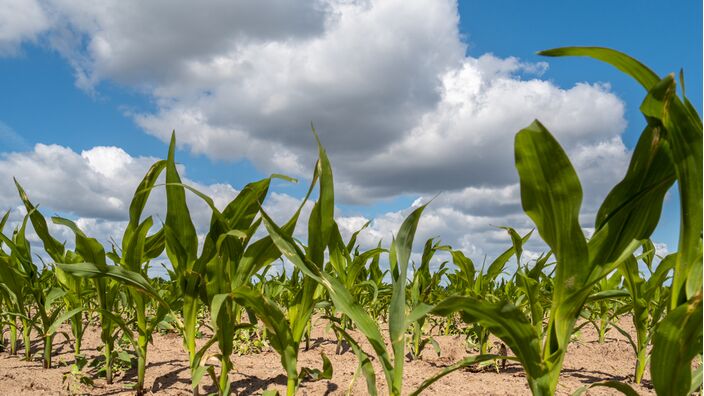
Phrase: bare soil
(167,372)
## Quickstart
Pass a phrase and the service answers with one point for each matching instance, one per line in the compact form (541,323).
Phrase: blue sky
(68,90)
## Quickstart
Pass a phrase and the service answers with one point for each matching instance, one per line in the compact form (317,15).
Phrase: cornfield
(222,282)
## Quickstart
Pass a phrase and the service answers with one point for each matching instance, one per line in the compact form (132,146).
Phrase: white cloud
(95,185)
(398,103)
(20,20)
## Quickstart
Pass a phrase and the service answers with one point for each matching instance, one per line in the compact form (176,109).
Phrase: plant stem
(291,386)
(641,362)
(25,339)
(48,341)
(224,384)
(142,341)
(13,338)
(108,362)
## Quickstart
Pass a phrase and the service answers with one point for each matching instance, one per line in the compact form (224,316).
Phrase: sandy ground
(167,373)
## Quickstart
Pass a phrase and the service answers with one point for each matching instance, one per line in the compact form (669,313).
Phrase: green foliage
(224,292)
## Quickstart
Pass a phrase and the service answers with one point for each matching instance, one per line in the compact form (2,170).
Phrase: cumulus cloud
(400,106)
(20,20)
(401,103)
(94,186)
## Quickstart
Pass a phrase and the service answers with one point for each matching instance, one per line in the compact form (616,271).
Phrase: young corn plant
(551,196)
(604,313)
(39,287)
(74,296)
(312,266)
(646,307)
(8,295)
(235,261)
(285,332)
(75,293)
(676,128)
(220,278)
(17,296)
(378,305)
(107,294)
(350,266)
(423,290)
(534,286)
(467,281)
(130,269)
(108,279)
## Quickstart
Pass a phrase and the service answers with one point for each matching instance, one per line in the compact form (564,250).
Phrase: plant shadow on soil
(168,374)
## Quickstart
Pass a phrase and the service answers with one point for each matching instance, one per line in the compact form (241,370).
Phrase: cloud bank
(401,103)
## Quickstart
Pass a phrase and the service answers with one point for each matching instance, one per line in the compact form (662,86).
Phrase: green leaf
(314,374)
(139,199)
(517,242)
(61,319)
(468,361)
(608,295)
(641,73)
(497,266)
(619,386)
(129,278)
(397,310)
(327,195)
(365,363)
(54,294)
(215,307)
(677,340)
(154,245)
(134,253)
(551,196)
(274,319)
(178,218)
(657,279)
(89,249)
(506,322)
(54,248)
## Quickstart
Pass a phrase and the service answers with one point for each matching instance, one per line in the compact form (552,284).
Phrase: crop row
(223,283)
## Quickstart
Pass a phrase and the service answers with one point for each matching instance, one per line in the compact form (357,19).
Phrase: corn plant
(130,269)
(424,290)
(28,282)
(676,128)
(107,280)
(107,293)
(8,291)
(350,266)
(551,196)
(17,296)
(646,307)
(312,266)
(230,270)
(604,313)
(534,286)
(467,281)
(220,277)
(285,332)
(74,296)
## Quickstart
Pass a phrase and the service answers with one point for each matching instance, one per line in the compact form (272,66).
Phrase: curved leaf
(677,340)
(468,361)
(129,278)
(641,73)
